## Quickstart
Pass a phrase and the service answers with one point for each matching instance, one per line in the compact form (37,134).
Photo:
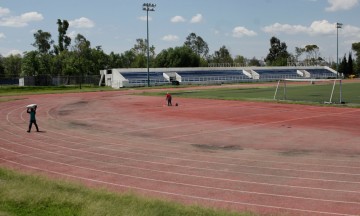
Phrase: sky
(243,26)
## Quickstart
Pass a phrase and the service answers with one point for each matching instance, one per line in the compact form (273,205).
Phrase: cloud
(2,35)
(177,19)
(319,27)
(170,38)
(72,35)
(240,31)
(143,18)
(4,11)
(82,23)
(336,5)
(22,20)
(322,27)
(13,52)
(197,18)
(351,32)
(285,28)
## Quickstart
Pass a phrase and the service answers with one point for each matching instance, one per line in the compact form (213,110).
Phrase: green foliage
(356,48)
(278,54)
(178,57)
(63,40)
(2,68)
(197,45)
(346,66)
(307,94)
(12,66)
(34,196)
(221,56)
(43,41)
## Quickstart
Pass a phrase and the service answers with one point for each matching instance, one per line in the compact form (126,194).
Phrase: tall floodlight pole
(148,7)
(338,25)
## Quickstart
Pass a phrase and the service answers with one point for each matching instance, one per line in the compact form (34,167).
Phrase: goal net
(309,90)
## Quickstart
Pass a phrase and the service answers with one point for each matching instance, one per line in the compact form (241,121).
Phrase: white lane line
(214,178)
(222,157)
(210,162)
(257,125)
(230,164)
(175,194)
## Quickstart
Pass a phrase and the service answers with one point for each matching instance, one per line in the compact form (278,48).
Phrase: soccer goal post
(309,90)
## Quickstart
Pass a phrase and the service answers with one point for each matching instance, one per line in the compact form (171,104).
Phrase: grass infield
(300,94)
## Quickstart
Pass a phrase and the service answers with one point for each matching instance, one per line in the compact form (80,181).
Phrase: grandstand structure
(133,77)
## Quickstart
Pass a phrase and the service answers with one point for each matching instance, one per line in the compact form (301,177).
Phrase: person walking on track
(32,112)
(168,99)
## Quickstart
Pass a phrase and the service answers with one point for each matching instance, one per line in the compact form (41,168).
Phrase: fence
(48,80)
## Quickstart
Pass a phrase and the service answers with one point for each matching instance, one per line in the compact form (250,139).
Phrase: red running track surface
(266,158)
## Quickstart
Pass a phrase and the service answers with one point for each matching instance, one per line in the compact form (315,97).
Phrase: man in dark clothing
(32,112)
(168,99)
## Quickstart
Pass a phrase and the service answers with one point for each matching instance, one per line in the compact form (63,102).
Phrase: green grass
(302,94)
(36,196)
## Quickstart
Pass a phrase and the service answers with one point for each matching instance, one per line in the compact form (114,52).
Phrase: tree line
(73,58)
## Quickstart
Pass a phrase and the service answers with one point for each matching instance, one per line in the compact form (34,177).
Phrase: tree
(140,48)
(278,53)
(312,54)
(254,62)
(197,45)
(177,57)
(222,56)
(12,66)
(240,60)
(115,60)
(356,48)
(30,63)
(298,53)
(343,66)
(350,66)
(83,51)
(43,41)
(128,57)
(2,68)
(100,60)
(63,40)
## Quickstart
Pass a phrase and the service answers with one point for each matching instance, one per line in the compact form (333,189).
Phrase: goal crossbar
(312,81)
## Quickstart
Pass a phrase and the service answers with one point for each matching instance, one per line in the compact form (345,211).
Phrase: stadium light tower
(338,25)
(148,7)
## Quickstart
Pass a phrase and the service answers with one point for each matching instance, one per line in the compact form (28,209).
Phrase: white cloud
(351,31)
(240,31)
(22,20)
(13,52)
(4,11)
(284,28)
(197,18)
(2,35)
(316,28)
(177,19)
(72,35)
(320,27)
(170,38)
(82,23)
(336,5)
(143,18)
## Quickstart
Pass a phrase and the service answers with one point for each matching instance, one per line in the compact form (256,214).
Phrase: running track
(244,156)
